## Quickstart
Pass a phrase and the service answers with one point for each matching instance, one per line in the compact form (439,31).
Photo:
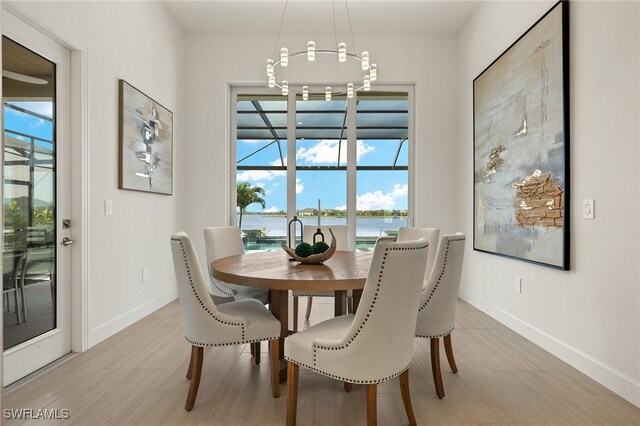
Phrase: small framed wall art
(146,143)
(521,146)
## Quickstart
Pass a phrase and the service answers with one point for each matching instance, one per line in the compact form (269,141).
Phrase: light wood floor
(137,377)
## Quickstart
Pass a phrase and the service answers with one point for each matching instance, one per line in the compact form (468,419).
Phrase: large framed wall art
(521,147)
(146,143)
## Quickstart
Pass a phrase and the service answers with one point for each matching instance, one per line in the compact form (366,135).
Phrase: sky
(375,189)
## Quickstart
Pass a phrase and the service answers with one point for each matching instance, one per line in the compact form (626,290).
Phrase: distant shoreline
(325,216)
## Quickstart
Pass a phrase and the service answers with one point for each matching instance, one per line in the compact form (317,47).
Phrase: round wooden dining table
(345,270)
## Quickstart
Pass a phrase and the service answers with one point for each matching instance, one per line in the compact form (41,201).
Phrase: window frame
(238,89)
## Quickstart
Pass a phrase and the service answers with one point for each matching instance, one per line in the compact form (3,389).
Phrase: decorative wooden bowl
(314,258)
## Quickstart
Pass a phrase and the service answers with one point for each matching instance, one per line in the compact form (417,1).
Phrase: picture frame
(145,143)
(521,147)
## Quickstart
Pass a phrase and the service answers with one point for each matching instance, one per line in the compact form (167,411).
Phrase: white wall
(215,61)
(589,316)
(141,43)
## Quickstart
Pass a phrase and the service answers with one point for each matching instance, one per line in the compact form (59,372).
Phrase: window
(382,165)
(377,201)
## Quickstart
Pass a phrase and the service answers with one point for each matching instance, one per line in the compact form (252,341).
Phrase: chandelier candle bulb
(373,72)
(311,51)
(284,57)
(342,52)
(327,94)
(270,67)
(365,60)
(305,93)
(272,82)
(285,88)
(350,90)
(367,83)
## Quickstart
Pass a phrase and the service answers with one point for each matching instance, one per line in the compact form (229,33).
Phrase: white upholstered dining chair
(430,234)
(437,311)
(206,324)
(375,344)
(342,243)
(224,241)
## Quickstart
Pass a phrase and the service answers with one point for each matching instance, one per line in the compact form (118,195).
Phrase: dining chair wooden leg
(372,404)
(449,351)
(292,392)
(348,386)
(295,313)
(435,366)
(255,348)
(195,377)
(274,355)
(190,363)
(406,397)
(309,303)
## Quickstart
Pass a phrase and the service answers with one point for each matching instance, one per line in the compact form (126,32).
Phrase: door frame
(79,184)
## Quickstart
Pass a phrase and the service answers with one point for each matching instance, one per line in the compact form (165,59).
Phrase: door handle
(66,241)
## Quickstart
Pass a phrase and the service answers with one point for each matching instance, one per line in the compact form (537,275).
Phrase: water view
(268,231)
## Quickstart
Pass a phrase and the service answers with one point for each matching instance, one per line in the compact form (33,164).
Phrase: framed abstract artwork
(146,143)
(521,147)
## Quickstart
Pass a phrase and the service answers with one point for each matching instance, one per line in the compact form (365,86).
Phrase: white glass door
(35,90)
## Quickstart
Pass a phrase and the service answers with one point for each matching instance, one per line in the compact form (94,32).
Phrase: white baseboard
(618,382)
(98,334)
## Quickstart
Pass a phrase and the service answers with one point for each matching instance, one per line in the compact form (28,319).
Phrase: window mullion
(351,170)
(291,157)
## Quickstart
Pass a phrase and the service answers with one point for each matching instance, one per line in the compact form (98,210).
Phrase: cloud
(378,200)
(326,151)
(271,209)
(343,207)
(299,186)
(375,200)
(278,163)
(362,149)
(400,190)
(259,175)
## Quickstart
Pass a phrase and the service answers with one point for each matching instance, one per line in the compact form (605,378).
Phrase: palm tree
(249,195)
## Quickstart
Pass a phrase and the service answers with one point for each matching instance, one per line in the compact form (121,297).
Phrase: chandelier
(369,70)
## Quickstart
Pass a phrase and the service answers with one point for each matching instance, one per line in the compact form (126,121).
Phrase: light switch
(588,208)
(108,207)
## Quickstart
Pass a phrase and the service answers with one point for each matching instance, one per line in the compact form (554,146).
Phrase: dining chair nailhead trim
(435,335)
(329,293)
(193,288)
(346,379)
(229,344)
(442,272)
(214,281)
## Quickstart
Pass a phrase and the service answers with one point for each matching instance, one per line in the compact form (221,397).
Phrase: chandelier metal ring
(371,71)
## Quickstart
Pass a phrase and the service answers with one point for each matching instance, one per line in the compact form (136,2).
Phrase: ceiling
(380,17)
(21,60)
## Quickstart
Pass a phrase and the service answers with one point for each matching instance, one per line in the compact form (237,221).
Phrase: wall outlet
(518,285)
(145,274)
